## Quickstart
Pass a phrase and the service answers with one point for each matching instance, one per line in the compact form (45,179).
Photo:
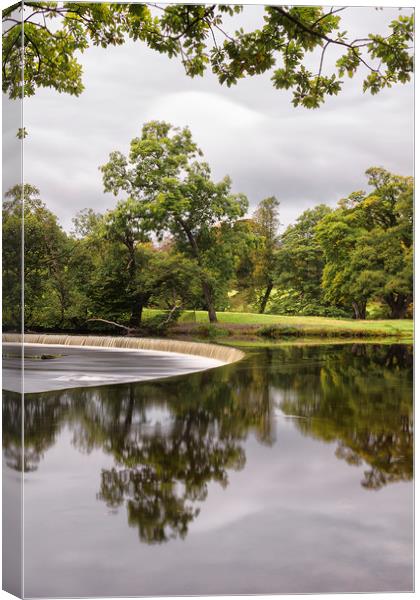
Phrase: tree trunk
(359,309)
(207,291)
(398,303)
(208,296)
(265,298)
(136,313)
(129,413)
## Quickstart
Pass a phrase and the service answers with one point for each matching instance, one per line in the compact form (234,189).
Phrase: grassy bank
(277,326)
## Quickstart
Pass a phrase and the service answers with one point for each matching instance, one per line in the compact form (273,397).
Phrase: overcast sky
(250,131)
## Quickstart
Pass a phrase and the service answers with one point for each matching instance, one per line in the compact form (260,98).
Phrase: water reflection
(168,440)
(361,399)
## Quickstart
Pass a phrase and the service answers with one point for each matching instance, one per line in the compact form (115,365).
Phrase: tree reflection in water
(361,398)
(170,439)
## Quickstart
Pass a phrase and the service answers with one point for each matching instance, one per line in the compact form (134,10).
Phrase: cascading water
(225,354)
(84,361)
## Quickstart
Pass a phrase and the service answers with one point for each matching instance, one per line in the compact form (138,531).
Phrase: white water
(86,366)
(225,354)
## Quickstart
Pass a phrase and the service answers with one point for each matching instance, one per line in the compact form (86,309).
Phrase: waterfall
(226,354)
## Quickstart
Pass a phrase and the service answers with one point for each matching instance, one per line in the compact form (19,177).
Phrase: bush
(377,310)
(291,303)
(160,323)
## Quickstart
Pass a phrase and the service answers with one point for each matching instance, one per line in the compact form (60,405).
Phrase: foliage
(204,37)
(170,190)
(367,245)
(47,253)
(181,244)
(266,220)
(291,302)
(300,265)
(160,323)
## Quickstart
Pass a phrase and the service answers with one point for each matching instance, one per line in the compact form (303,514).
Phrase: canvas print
(207,299)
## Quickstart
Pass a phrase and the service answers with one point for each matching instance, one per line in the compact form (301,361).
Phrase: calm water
(290,471)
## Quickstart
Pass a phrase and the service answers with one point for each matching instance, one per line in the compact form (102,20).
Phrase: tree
(176,282)
(266,219)
(46,252)
(385,255)
(86,223)
(300,264)
(12,255)
(126,225)
(49,36)
(127,270)
(174,192)
(339,234)
(367,244)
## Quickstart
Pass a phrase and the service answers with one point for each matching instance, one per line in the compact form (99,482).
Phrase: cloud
(250,131)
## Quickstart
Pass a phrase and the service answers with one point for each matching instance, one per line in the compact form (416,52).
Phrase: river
(287,472)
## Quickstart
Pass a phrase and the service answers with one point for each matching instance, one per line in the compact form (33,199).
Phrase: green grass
(305,325)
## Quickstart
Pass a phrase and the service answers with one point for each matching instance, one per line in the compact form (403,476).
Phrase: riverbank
(253,326)
(253,329)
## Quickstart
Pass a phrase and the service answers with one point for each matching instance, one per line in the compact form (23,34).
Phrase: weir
(225,354)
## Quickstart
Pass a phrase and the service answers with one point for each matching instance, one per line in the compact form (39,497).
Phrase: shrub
(291,303)
(160,323)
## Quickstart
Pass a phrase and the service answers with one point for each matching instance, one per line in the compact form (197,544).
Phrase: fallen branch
(173,311)
(128,329)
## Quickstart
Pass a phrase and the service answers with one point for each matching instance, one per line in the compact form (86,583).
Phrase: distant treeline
(180,241)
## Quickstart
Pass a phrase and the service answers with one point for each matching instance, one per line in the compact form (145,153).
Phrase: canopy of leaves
(300,261)
(46,252)
(181,242)
(174,194)
(48,36)
(367,245)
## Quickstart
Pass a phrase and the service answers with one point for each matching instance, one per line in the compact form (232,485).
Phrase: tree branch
(111,323)
(323,36)
(321,63)
(9,10)
(307,29)
(4,62)
(331,12)
(36,50)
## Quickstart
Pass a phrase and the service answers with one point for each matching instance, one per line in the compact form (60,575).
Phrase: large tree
(383,260)
(367,244)
(50,35)
(172,191)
